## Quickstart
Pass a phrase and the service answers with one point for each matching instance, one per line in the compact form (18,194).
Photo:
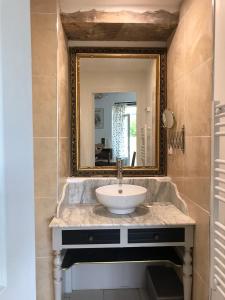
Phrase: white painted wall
(2,190)
(16,152)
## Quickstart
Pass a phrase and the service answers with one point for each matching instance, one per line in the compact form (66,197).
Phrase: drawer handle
(156,237)
(91,238)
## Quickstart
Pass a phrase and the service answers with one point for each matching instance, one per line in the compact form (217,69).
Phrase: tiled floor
(120,294)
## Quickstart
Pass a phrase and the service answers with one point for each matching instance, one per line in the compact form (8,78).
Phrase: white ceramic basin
(118,202)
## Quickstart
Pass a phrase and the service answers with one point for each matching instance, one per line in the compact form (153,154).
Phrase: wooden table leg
(187,274)
(57,275)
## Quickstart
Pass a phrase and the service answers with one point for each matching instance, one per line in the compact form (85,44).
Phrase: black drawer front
(81,237)
(158,235)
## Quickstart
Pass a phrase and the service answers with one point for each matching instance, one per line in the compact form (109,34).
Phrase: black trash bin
(163,283)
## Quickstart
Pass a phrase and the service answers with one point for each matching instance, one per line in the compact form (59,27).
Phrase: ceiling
(119,20)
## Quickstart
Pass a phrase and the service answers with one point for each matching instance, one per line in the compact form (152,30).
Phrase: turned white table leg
(187,274)
(57,276)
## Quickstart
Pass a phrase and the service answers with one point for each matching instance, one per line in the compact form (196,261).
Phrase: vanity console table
(86,230)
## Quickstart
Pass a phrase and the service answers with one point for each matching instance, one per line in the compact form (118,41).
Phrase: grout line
(196,204)
(44,197)
(200,65)
(190,177)
(45,137)
(43,257)
(200,276)
(43,75)
(43,13)
(57,101)
(198,136)
(188,73)
(176,82)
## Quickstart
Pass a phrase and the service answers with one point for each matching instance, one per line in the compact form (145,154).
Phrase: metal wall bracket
(176,139)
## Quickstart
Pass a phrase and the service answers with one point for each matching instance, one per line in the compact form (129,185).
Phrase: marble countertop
(155,214)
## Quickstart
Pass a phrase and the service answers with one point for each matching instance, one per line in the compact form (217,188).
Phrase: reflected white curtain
(118,131)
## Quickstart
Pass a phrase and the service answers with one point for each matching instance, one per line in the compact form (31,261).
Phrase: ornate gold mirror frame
(161,154)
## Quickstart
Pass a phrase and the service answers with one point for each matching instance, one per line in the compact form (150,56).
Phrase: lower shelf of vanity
(110,255)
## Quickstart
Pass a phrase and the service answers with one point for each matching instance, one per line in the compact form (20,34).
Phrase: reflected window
(115,128)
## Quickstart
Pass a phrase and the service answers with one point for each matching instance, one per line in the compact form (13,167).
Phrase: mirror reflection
(115,128)
(118,98)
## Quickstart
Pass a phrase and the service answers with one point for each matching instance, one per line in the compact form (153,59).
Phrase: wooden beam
(96,25)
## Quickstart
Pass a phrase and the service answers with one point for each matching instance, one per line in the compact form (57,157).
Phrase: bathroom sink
(121,199)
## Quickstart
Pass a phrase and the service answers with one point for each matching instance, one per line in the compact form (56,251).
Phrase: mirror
(168,119)
(116,110)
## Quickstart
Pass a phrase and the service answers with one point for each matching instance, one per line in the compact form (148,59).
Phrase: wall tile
(64,119)
(199,101)
(64,161)
(45,209)
(63,83)
(191,72)
(175,164)
(176,55)
(44,44)
(44,278)
(63,109)
(198,190)
(43,6)
(179,181)
(186,5)
(200,289)
(62,52)
(176,96)
(44,106)
(197,156)
(201,243)
(64,147)
(44,71)
(199,37)
(44,23)
(45,167)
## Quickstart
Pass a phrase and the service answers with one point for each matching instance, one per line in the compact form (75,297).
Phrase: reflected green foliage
(133,130)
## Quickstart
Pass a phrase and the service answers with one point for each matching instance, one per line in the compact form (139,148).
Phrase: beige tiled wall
(63,108)
(189,96)
(51,130)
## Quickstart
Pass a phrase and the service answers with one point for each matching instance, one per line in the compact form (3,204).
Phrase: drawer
(82,237)
(156,235)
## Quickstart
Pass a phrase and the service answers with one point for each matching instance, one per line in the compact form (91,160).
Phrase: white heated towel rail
(218,205)
(145,145)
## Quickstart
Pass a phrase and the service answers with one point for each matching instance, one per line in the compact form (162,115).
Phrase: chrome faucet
(119,164)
